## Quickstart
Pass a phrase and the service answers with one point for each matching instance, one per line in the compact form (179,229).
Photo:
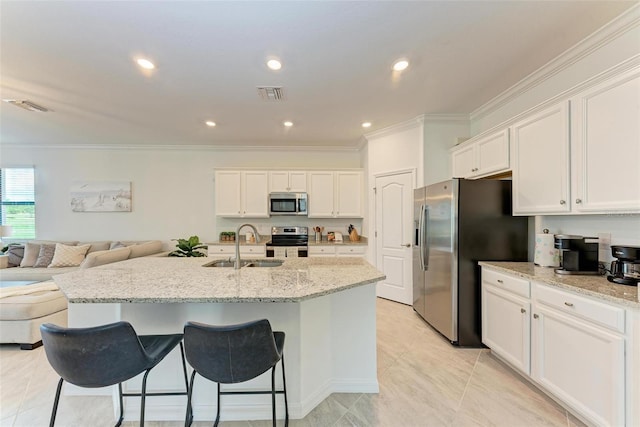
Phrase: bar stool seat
(107,355)
(234,354)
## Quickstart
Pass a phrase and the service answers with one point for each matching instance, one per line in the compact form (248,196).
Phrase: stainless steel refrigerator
(458,223)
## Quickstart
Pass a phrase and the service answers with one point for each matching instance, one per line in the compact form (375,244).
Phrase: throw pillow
(116,245)
(97,246)
(31,252)
(95,259)
(146,249)
(68,256)
(45,256)
(16,253)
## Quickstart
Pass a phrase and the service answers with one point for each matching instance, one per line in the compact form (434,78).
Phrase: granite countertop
(594,286)
(312,242)
(179,280)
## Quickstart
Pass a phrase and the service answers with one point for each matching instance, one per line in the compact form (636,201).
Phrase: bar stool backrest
(95,357)
(231,354)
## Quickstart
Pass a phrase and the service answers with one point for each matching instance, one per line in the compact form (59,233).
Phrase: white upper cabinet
(540,162)
(485,156)
(242,194)
(335,194)
(606,146)
(288,181)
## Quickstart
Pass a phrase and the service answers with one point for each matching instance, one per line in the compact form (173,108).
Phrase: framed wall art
(101,196)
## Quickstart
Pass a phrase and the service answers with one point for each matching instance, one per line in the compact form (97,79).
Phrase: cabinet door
(322,251)
(506,324)
(298,182)
(581,364)
(279,181)
(344,251)
(255,192)
(321,195)
(464,162)
(228,189)
(606,146)
(348,196)
(492,153)
(541,162)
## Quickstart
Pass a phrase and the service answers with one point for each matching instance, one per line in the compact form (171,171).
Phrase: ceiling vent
(27,105)
(271,93)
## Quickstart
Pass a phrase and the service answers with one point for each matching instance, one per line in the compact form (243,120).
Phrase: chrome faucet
(236,264)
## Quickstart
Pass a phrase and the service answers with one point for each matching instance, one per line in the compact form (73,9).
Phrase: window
(17,200)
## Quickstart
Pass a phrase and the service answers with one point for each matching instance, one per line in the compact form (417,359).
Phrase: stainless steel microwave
(288,203)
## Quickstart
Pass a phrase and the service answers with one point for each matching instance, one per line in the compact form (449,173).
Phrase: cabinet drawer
(253,250)
(321,250)
(220,250)
(603,314)
(351,250)
(509,283)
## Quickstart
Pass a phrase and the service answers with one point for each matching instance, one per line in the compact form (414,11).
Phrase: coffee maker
(626,269)
(578,254)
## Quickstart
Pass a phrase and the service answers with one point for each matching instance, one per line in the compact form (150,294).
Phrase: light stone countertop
(594,286)
(184,280)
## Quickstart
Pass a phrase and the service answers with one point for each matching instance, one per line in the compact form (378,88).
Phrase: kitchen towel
(546,255)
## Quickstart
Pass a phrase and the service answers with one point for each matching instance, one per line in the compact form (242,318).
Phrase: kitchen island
(326,307)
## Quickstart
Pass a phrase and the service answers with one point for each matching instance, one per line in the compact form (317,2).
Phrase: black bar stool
(234,354)
(107,355)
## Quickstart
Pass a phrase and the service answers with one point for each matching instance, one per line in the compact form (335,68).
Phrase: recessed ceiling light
(400,65)
(288,124)
(210,123)
(366,124)
(274,64)
(145,63)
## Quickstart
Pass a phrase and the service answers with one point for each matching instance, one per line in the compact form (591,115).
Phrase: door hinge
(375,190)
(375,234)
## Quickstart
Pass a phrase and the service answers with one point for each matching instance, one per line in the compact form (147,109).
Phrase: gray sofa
(22,315)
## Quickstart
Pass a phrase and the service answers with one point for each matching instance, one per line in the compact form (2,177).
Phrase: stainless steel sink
(245,263)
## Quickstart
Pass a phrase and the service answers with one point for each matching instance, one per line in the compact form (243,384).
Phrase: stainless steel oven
(289,242)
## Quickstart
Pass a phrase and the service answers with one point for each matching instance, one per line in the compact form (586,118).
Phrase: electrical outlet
(604,246)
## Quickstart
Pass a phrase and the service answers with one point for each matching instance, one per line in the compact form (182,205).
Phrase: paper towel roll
(546,255)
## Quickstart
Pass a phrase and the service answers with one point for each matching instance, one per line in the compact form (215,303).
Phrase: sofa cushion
(95,259)
(15,253)
(31,252)
(45,256)
(32,306)
(33,274)
(68,256)
(97,246)
(145,249)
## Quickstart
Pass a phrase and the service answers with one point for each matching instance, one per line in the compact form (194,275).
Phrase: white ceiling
(76,57)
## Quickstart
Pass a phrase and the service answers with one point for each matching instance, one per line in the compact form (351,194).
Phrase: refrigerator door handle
(425,238)
(419,234)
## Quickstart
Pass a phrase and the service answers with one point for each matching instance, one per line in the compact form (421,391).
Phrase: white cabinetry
(221,251)
(606,146)
(506,324)
(242,194)
(339,251)
(581,156)
(576,357)
(288,181)
(484,156)
(335,194)
(540,146)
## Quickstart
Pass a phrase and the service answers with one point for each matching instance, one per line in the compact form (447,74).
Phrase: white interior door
(394,212)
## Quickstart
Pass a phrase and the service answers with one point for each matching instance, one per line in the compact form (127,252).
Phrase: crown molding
(610,31)
(398,127)
(252,148)
(446,117)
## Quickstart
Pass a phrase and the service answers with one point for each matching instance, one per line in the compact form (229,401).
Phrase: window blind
(17,201)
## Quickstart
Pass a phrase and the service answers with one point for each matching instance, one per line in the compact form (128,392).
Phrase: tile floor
(424,381)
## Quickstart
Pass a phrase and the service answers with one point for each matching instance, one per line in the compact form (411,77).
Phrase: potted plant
(189,247)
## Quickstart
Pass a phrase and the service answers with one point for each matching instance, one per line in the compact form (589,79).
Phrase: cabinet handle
(568,304)
(499,281)
(522,310)
(562,202)
(578,201)
(408,245)
(535,316)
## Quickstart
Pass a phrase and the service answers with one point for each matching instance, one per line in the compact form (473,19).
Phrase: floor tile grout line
(468,382)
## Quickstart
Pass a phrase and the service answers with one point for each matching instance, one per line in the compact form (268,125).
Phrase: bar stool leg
(186,383)
(273,395)
(143,396)
(119,423)
(215,424)
(189,417)
(54,411)
(284,388)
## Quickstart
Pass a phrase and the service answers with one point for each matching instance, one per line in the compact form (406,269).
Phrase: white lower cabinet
(506,319)
(322,251)
(340,251)
(221,250)
(224,251)
(576,359)
(577,348)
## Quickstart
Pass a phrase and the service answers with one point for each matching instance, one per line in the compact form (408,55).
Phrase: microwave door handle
(426,240)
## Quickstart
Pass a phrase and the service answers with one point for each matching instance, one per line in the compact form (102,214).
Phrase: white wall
(440,135)
(172,189)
